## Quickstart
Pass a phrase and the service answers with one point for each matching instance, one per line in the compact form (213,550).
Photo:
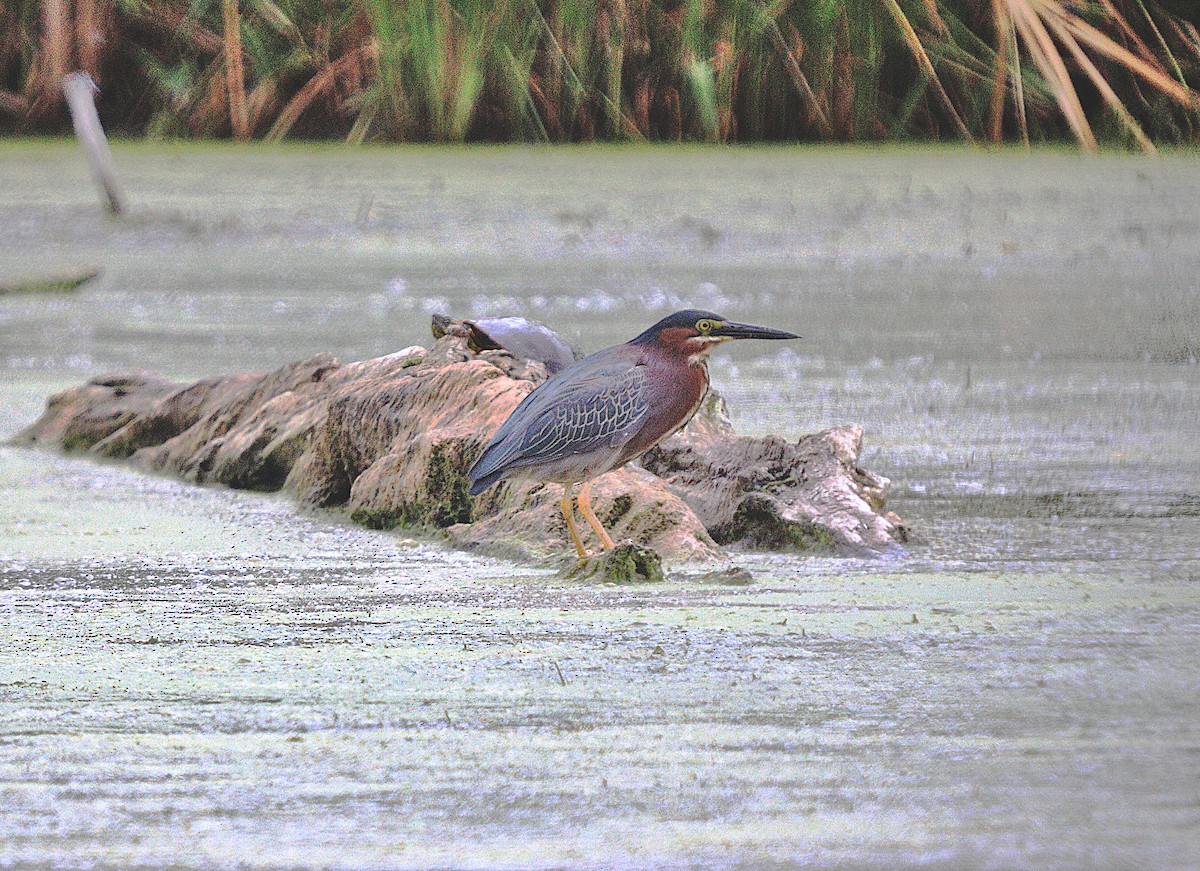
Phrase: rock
(390,441)
(772,494)
(725,576)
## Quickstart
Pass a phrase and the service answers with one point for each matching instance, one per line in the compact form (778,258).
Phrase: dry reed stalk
(918,51)
(176,24)
(799,81)
(1187,34)
(1000,81)
(1102,85)
(211,111)
(89,35)
(278,21)
(1130,34)
(317,85)
(235,76)
(1018,83)
(55,54)
(726,69)
(295,107)
(1044,53)
(641,106)
(544,110)
(842,84)
(1162,44)
(671,104)
(613,29)
(13,103)
(261,100)
(1157,77)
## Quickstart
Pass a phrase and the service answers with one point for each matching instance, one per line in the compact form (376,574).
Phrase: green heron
(608,409)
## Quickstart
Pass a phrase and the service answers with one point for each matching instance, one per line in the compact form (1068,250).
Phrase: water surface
(201,676)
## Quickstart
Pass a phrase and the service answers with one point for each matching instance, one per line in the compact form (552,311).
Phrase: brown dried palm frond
(1048,28)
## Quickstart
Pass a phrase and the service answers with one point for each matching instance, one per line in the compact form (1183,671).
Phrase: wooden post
(81,93)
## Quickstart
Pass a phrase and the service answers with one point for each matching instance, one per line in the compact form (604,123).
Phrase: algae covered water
(201,677)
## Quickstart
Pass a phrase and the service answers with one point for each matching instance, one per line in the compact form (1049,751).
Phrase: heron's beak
(730,330)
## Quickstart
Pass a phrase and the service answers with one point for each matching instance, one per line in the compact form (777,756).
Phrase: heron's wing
(588,407)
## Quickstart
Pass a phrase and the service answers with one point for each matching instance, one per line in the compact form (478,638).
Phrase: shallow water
(205,677)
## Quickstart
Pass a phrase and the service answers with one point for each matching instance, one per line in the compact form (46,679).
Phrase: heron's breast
(675,396)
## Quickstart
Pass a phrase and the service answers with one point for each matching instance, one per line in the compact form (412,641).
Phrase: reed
(239,119)
(1124,72)
(54,58)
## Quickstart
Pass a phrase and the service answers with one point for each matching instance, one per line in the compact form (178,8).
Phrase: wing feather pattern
(593,405)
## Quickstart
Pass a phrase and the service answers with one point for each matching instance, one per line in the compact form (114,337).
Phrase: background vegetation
(1121,71)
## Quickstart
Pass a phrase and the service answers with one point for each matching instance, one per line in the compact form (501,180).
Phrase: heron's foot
(585,508)
(569,516)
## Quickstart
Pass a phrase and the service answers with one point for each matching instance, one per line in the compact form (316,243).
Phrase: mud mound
(390,441)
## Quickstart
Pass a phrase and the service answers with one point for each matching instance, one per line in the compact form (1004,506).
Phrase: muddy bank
(390,440)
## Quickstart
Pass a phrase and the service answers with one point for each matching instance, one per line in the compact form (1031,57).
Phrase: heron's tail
(478,486)
(488,469)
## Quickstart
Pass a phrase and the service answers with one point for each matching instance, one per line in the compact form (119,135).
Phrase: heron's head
(695,331)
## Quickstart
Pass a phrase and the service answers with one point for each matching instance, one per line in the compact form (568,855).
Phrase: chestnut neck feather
(673,342)
(681,384)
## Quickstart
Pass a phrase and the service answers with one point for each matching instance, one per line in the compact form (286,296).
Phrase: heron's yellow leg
(569,514)
(585,508)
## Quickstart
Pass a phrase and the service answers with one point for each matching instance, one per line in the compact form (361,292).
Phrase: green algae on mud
(802,706)
(762,530)
(623,564)
(55,284)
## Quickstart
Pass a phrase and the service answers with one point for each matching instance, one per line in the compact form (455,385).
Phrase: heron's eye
(704,325)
